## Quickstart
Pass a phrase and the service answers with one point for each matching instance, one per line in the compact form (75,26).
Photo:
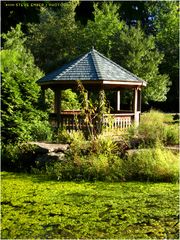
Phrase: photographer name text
(32,4)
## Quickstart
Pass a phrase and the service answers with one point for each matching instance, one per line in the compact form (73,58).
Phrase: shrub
(103,144)
(41,131)
(155,164)
(63,136)
(172,134)
(77,139)
(88,160)
(154,116)
(93,167)
(9,154)
(19,157)
(103,167)
(99,159)
(79,144)
(152,130)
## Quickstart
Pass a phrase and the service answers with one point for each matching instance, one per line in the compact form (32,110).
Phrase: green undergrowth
(156,164)
(154,127)
(100,159)
(103,159)
(33,208)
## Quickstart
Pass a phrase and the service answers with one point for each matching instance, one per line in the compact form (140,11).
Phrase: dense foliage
(21,114)
(154,129)
(55,45)
(36,209)
(18,157)
(165,17)
(155,165)
(137,52)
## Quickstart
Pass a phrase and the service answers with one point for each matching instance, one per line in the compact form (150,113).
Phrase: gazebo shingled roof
(93,66)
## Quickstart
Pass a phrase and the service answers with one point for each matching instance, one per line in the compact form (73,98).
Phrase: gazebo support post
(136,113)
(101,109)
(118,100)
(57,105)
(139,100)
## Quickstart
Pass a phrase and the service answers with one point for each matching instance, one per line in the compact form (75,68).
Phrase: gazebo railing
(118,121)
(74,121)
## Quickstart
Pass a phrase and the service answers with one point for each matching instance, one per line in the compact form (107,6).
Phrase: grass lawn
(35,208)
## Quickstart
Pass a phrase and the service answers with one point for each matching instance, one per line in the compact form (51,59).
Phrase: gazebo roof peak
(92,66)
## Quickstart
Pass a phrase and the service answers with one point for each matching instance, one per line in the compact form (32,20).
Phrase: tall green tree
(129,47)
(137,52)
(52,40)
(99,31)
(165,20)
(20,93)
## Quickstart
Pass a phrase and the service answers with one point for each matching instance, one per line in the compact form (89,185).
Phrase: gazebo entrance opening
(96,73)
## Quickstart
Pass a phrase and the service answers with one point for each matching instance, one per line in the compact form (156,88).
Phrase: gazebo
(96,72)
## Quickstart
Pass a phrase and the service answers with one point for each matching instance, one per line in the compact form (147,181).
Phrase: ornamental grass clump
(103,144)
(152,130)
(63,136)
(156,164)
(172,135)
